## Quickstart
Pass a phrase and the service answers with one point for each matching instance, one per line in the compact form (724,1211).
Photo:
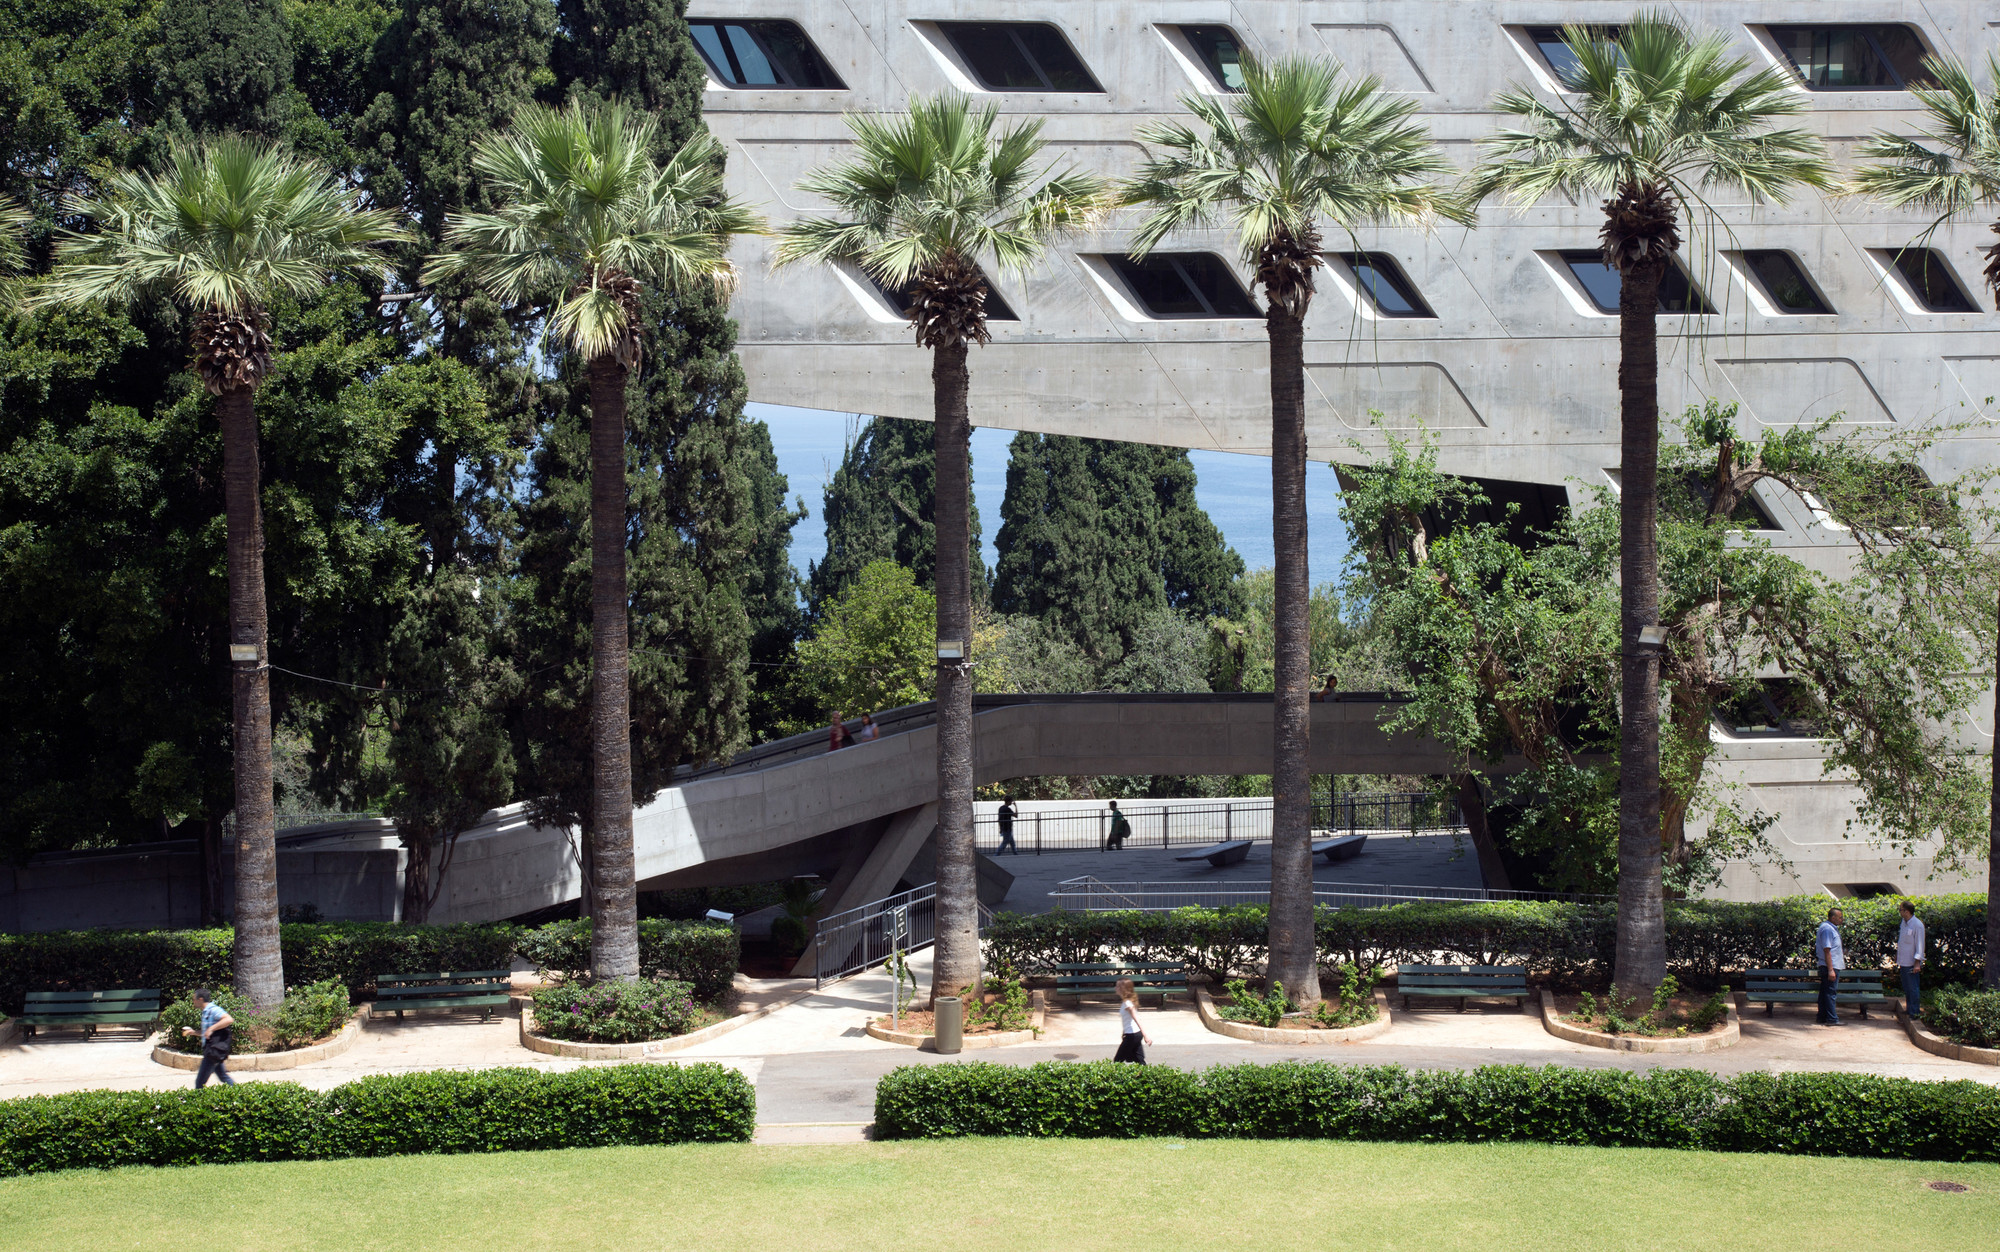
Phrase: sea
(1234,489)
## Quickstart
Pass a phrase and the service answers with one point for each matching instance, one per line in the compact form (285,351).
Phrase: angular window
(1384,284)
(762,54)
(1749,513)
(1776,707)
(1185,284)
(1784,282)
(1556,54)
(1854,58)
(1600,282)
(1220,54)
(1930,281)
(997,309)
(1019,56)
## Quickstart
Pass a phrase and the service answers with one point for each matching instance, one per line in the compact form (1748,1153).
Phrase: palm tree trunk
(258,964)
(1294,960)
(614,936)
(1641,960)
(956,964)
(1992,978)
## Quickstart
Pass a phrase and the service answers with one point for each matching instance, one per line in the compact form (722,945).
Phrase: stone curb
(1728,1036)
(1037,1021)
(260,1062)
(652,1047)
(10,1031)
(1293,1038)
(1938,1045)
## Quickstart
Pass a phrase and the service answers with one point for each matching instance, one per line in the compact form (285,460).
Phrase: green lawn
(1143,1196)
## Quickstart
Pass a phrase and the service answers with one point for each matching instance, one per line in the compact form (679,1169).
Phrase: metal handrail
(1092,895)
(860,938)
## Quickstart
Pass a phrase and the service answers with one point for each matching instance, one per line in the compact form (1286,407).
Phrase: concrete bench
(1772,987)
(1462,983)
(1147,980)
(1340,848)
(1228,852)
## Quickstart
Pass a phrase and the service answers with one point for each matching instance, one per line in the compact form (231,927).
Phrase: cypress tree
(222,65)
(878,507)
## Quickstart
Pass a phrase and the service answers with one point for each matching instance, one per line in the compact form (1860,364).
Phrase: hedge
(442,1111)
(1797,1114)
(177,961)
(1573,942)
(704,954)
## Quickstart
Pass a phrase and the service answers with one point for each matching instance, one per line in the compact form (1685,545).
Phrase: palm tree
(1299,148)
(586,219)
(926,197)
(13,222)
(229,225)
(1653,119)
(1958,175)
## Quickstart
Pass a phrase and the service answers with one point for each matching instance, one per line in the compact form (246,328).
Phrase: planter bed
(646,1047)
(264,1062)
(978,1037)
(1724,1034)
(1938,1045)
(1292,1037)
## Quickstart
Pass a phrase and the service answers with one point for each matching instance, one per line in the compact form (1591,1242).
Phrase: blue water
(1233,488)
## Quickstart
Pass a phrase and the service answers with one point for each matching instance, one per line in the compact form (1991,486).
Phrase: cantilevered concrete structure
(1500,340)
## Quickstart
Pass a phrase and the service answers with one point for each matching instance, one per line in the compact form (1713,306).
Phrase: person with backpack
(216,1039)
(1006,816)
(1121,830)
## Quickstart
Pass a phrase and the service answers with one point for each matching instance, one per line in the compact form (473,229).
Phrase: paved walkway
(815,1067)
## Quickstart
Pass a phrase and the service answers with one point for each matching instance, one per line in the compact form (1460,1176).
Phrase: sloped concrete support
(872,870)
(994,882)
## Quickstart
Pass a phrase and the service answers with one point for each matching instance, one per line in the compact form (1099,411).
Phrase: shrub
(492,1110)
(615,1012)
(1246,1005)
(1801,1114)
(182,1012)
(307,1015)
(1965,1016)
(703,954)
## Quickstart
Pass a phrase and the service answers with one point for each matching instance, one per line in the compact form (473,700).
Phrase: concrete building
(1500,340)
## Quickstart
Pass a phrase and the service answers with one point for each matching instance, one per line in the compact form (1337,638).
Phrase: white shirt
(1910,942)
(1128,1017)
(1829,937)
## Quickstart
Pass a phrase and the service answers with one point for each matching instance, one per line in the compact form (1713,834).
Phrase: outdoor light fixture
(1651,640)
(951,650)
(242,651)
(717,915)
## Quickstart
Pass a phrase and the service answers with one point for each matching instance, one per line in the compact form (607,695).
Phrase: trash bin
(950,1032)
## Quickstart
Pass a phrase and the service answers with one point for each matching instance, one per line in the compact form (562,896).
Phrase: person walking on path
(1910,959)
(836,734)
(1007,826)
(1133,1037)
(1121,830)
(1831,959)
(869,729)
(215,1039)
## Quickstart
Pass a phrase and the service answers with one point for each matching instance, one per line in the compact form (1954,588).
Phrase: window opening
(1931,282)
(1019,56)
(762,54)
(1220,52)
(1385,285)
(1556,53)
(1854,58)
(1784,281)
(997,308)
(1749,513)
(1185,284)
(1601,283)
(1776,707)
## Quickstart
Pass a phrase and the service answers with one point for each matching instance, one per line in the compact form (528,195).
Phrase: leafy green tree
(1021,654)
(222,65)
(879,506)
(587,221)
(875,648)
(1242,648)
(226,227)
(928,195)
(1952,171)
(1655,119)
(1296,149)
(1099,536)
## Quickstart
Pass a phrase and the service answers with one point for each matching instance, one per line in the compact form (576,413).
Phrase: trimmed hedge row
(442,1111)
(177,961)
(1796,1114)
(1573,942)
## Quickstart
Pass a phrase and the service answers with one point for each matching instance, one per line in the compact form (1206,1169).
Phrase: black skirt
(1132,1048)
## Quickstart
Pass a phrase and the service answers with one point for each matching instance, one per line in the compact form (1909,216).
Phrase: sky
(1233,488)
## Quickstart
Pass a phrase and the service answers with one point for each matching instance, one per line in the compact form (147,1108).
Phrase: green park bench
(1462,983)
(1772,987)
(90,1009)
(1147,980)
(481,989)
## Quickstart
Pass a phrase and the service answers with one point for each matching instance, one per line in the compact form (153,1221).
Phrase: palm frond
(1959,168)
(13,224)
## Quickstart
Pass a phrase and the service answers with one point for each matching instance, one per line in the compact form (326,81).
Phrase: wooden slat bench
(1772,987)
(481,989)
(1147,980)
(91,1009)
(1228,852)
(1462,983)
(1340,848)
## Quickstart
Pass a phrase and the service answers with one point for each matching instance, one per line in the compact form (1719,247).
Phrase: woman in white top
(1131,1046)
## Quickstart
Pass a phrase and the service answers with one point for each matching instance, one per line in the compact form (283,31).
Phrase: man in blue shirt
(215,1039)
(1831,959)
